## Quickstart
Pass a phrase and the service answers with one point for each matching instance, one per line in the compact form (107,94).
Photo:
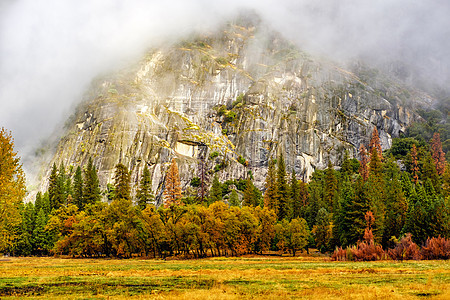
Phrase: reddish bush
(436,248)
(339,254)
(405,249)
(367,250)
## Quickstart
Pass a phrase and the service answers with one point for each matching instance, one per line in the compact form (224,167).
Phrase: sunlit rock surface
(275,98)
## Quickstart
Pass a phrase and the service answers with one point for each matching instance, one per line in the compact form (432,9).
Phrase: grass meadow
(222,278)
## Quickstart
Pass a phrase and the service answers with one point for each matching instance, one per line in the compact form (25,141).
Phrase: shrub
(406,249)
(436,248)
(221,110)
(195,182)
(230,116)
(367,251)
(239,101)
(213,155)
(339,254)
(242,161)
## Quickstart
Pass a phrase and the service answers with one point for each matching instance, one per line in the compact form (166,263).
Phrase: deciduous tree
(12,191)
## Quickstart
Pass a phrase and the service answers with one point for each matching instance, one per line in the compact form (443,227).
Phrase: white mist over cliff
(51,50)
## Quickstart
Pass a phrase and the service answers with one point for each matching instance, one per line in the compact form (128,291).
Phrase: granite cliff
(236,97)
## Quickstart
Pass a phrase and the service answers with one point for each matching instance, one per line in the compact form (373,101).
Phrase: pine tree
(61,191)
(345,216)
(295,195)
(271,193)
(12,191)
(145,193)
(38,201)
(250,197)
(330,187)
(122,186)
(203,176)
(363,168)
(376,193)
(172,190)
(438,154)
(322,230)
(396,205)
(350,218)
(375,164)
(234,198)
(41,239)
(303,191)
(346,167)
(429,171)
(283,190)
(53,187)
(415,164)
(415,221)
(78,188)
(215,193)
(91,190)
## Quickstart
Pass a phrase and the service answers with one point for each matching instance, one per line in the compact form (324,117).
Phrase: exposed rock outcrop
(244,91)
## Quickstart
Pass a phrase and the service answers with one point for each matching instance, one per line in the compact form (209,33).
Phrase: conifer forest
(383,205)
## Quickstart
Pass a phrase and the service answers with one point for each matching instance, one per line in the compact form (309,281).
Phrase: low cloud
(51,50)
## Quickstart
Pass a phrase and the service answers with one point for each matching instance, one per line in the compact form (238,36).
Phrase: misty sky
(50,50)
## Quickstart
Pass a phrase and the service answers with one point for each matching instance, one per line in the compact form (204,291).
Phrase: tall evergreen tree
(203,177)
(415,221)
(346,230)
(376,194)
(215,193)
(271,193)
(331,186)
(172,190)
(234,198)
(53,187)
(250,197)
(354,203)
(322,230)
(41,238)
(396,205)
(295,195)
(429,171)
(122,186)
(91,191)
(303,197)
(283,189)
(78,188)
(145,193)
(414,164)
(61,187)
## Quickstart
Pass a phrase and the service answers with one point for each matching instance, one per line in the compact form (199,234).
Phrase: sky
(50,50)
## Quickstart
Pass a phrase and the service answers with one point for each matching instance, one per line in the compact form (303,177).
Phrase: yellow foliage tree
(12,190)
(172,192)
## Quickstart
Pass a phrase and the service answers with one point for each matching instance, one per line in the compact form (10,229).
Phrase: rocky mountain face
(236,97)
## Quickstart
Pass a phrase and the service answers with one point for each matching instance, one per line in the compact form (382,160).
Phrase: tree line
(381,201)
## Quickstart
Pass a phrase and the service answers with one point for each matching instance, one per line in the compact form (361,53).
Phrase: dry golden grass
(222,278)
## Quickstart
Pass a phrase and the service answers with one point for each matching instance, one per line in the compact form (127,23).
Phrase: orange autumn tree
(415,164)
(12,191)
(375,143)
(363,169)
(172,191)
(437,153)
